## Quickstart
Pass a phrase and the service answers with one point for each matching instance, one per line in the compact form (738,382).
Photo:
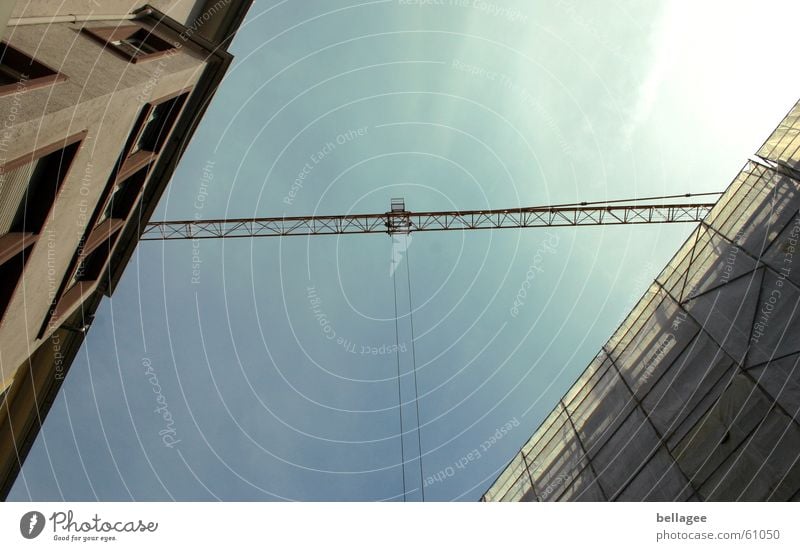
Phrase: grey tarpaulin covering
(697,395)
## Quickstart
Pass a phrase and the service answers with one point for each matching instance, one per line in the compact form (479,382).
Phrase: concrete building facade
(98,101)
(697,395)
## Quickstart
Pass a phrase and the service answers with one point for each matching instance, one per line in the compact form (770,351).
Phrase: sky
(267,369)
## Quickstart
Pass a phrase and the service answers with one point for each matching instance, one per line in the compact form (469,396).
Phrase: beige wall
(5,12)
(103,94)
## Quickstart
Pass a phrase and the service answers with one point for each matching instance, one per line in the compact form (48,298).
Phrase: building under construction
(697,395)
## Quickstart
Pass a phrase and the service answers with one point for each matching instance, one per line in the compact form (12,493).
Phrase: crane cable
(414,371)
(636,200)
(414,365)
(399,394)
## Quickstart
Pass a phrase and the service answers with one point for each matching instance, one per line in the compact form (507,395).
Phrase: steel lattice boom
(399,220)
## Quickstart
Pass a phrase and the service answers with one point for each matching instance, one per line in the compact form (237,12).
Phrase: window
(28,193)
(29,186)
(140,43)
(124,195)
(156,122)
(21,72)
(91,263)
(133,42)
(10,274)
(86,270)
(111,215)
(120,197)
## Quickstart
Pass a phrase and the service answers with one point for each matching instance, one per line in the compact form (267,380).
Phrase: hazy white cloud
(663,47)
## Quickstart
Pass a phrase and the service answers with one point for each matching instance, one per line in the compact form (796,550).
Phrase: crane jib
(398,220)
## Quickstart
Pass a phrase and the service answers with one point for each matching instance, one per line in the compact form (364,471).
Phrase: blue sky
(462,105)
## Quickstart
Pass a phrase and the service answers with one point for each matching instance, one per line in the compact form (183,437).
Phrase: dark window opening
(44,177)
(90,267)
(29,186)
(133,42)
(156,124)
(19,71)
(124,195)
(142,42)
(10,275)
